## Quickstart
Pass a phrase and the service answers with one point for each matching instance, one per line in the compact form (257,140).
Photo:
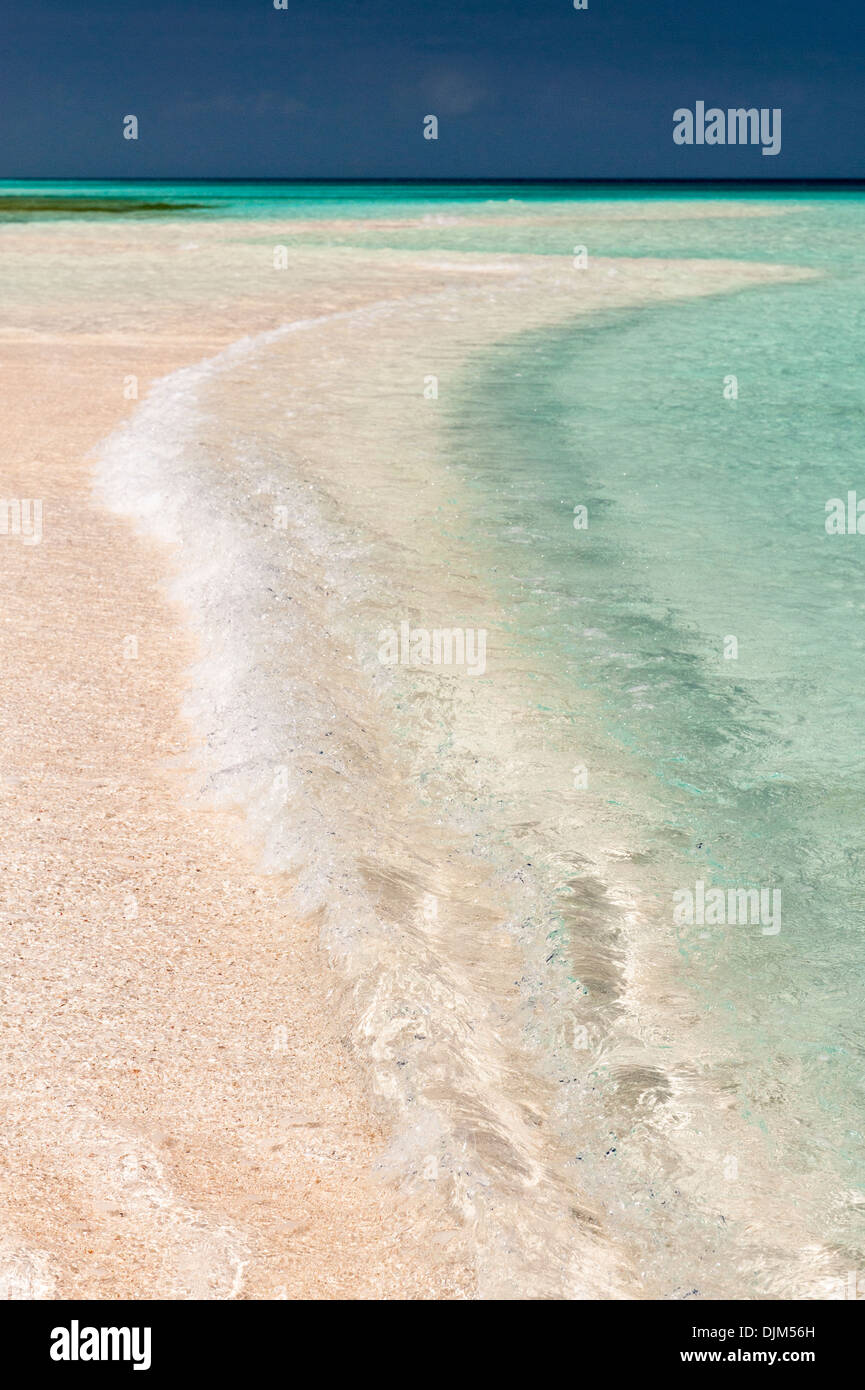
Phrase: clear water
(706,520)
(702,1085)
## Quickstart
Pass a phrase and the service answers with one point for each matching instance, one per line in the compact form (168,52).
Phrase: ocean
(590,879)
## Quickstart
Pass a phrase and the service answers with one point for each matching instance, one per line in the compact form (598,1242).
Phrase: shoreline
(183,1118)
(200,1206)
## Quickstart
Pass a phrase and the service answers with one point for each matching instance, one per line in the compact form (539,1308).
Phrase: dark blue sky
(339,88)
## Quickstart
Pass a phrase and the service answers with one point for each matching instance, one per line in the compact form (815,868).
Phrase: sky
(340,88)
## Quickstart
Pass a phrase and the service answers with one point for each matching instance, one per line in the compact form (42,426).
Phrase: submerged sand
(184,1115)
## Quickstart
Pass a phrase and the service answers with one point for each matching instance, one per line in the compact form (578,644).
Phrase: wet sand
(181,1118)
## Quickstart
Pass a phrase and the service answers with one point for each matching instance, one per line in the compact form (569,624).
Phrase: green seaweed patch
(26,205)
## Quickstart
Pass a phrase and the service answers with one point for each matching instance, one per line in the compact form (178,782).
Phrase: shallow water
(706,524)
(617,1102)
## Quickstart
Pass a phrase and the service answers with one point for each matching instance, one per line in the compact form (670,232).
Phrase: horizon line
(777,182)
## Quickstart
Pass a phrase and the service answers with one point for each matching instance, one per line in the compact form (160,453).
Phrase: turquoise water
(706,521)
(699,649)
(818,227)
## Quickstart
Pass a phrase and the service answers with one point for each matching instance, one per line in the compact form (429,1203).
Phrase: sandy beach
(181,1118)
(186,1115)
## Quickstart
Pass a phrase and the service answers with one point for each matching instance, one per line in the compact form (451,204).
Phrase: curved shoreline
(203,1183)
(203,502)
